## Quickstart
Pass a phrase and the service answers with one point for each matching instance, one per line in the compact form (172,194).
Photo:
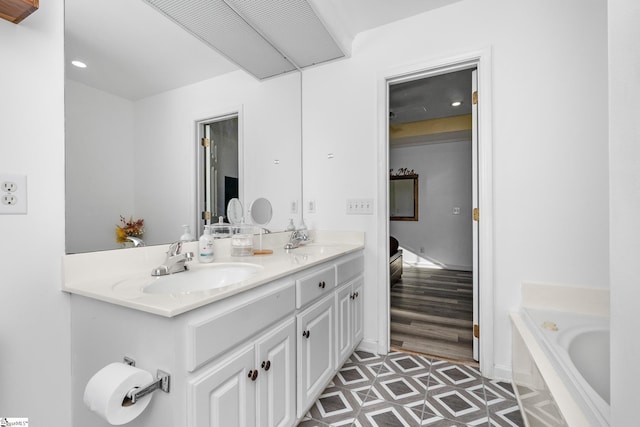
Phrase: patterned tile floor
(407,390)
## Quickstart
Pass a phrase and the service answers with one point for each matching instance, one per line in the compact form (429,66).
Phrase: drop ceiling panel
(293,27)
(219,26)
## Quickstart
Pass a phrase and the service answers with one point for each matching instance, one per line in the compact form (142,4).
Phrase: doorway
(218,167)
(482,159)
(430,149)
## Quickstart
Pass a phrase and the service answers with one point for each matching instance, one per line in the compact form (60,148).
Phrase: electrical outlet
(13,194)
(311,206)
(9,186)
(456,211)
(9,199)
(294,207)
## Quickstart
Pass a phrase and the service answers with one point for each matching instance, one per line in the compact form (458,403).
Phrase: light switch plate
(359,206)
(13,194)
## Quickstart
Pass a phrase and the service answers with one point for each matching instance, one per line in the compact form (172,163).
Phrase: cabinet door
(276,387)
(226,394)
(344,316)
(316,359)
(357,310)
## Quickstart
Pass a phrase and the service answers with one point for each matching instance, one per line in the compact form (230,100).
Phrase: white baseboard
(369,346)
(502,373)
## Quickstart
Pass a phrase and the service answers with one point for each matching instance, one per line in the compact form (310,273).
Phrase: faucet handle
(174,249)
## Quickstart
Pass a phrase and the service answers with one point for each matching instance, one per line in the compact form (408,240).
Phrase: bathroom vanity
(256,352)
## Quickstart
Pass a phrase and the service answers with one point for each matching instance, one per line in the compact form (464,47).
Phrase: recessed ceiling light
(456,103)
(79,64)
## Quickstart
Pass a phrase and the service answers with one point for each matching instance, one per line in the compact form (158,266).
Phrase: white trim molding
(480,59)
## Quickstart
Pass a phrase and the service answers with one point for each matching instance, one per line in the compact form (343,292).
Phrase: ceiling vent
(265,38)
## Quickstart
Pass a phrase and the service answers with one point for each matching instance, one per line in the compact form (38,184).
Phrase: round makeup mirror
(261,211)
(234,212)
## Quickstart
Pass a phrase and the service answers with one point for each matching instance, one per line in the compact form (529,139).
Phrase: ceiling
(133,51)
(430,98)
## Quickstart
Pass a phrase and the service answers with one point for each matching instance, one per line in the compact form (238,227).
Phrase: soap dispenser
(205,246)
(186,234)
(290,227)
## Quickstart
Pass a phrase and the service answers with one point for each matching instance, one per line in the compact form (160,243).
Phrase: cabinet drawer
(349,269)
(315,285)
(212,337)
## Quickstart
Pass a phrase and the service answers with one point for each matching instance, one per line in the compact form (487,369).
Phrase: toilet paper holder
(163,382)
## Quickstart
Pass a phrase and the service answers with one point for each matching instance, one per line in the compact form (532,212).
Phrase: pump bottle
(205,246)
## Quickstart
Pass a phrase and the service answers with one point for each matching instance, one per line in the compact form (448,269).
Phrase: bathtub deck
(550,382)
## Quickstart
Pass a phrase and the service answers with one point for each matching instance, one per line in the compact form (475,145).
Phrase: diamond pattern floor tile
(388,415)
(399,389)
(312,423)
(336,406)
(456,404)
(408,390)
(405,364)
(354,375)
(365,357)
(506,414)
(456,375)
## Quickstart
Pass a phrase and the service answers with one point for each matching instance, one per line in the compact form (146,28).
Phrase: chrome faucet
(175,261)
(297,238)
(136,241)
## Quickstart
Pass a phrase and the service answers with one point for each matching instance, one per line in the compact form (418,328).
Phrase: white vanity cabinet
(244,363)
(277,371)
(316,357)
(329,326)
(224,395)
(349,330)
(253,386)
(349,306)
(260,357)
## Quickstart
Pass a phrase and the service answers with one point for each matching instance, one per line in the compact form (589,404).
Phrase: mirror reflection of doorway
(220,180)
(431,131)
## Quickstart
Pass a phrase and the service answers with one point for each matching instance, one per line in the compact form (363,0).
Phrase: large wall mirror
(403,196)
(132,139)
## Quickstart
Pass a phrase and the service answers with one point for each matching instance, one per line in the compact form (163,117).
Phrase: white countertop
(107,275)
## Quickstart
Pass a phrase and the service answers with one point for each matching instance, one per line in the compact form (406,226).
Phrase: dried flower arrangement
(130,228)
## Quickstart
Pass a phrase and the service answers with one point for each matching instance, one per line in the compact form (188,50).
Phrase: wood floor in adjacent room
(432,313)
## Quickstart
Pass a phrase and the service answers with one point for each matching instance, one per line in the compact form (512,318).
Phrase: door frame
(480,59)
(199,124)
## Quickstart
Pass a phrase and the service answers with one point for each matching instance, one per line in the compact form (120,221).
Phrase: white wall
(549,138)
(624,163)
(444,182)
(34,319)
(165,133)
(99,166)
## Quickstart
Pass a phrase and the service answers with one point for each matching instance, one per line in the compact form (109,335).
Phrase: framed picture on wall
(403,196)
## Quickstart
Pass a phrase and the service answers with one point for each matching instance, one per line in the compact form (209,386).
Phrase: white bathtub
(573,364)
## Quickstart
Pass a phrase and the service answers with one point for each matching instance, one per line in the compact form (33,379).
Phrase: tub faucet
(175,261)
(297,238)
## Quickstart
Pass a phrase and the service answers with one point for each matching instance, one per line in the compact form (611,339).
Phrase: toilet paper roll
(107,389)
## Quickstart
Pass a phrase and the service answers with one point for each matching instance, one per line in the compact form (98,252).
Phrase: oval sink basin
(314,248)
(201,278)
(198,279)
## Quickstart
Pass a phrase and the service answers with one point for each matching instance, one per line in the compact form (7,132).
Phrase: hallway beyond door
(432,313)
